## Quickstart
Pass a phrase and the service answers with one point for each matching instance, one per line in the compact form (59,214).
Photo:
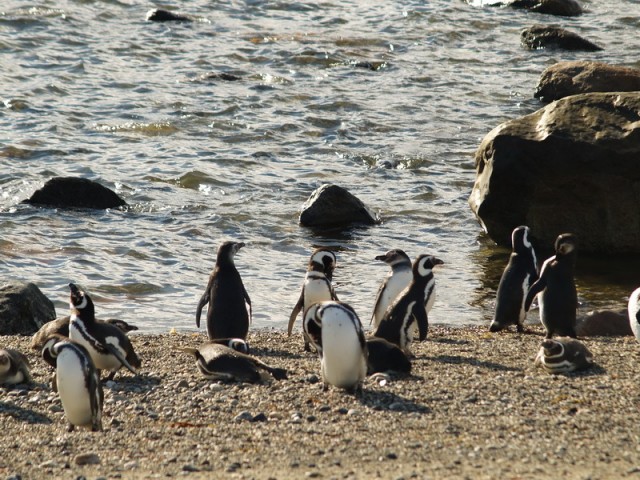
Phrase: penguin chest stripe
(95,344)
(407,322)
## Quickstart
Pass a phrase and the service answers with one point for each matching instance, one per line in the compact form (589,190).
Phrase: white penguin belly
(525,288)
(343,362)
(101,361)
(316,291)
(398,282)
(75,398)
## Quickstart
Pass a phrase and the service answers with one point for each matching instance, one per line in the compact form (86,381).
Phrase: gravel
(474,407)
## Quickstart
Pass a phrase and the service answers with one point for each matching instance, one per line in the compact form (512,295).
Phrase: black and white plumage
(219,362)
(237,344)
(14,367)
(394,283)
(229,312)
(60,326)
(384,356)
(109,347)
(556,289)
(77,382)
(317,286)
(342,346)
(408,310)
(312,327)
(563,355)
(633,310)
(518,276)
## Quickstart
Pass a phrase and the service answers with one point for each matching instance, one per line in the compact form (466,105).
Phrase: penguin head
(423,265)
(395,257)
(49,352)
(239,345)
(228,249)
(552,348)
(80,303)
(323,260)
(520,239)
(565,244)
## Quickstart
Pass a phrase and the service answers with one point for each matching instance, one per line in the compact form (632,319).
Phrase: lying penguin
(564,355)
(219,362)
(14,367)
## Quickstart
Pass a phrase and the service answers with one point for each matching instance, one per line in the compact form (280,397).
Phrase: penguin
(384,356)
(397,325)
(518,276)
(558,297)
(77,382)
(61,326)
(229,312)
(237,344)
(563,355)
(14,367)
(219,362)
(395,282)
(317,286)
(343,362)
(634,313)
(312,327)
(108,346)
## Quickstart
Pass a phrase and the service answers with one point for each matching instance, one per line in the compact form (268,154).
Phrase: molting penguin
(343,362)
(77,382)
(563,355)
(229,312)
(397,325)
(108,346)
(219,362)
(634,313)
(317,285)
(14,367)
(395,282)
(558,298)
(518,276)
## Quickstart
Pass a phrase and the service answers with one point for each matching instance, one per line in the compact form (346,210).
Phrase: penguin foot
(71,427)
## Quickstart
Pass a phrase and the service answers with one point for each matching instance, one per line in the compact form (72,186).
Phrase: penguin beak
(437,261)
(381,257)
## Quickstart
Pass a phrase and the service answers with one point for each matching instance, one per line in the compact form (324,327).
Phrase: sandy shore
(475,407)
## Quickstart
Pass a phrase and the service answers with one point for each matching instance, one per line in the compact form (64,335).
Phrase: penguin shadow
(140,383)
(450,341)
(458,360)
(23,414)
(389,401)
(276,353)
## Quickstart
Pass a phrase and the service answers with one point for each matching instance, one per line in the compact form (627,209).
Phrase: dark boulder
(161,15)
(562,8)
(23,309)
(73,192)
(571,78)
(547,36)
(604,323)
(331,205)
(572,166)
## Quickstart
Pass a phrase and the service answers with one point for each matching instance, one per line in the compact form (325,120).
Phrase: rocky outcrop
(331,205)
(548,36)
(572,78)
(73,192)
(23,309)
(572,166)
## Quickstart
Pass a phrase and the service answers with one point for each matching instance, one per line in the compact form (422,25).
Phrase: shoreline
(475,406)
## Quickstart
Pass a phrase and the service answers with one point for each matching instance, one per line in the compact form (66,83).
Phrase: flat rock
(571,78)
(331,205)
(74,192)
(23,309)
(549,36)
(572,166)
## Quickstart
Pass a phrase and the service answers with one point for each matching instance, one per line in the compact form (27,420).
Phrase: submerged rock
(572,166)
(23,309)
(73,192)
(571,78)
(547,36)
(331,205)
(562,8)
(161,15)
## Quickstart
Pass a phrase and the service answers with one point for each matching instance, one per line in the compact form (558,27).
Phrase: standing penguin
(14,367)
(395,282)
(229,313)
(108,346)
(634,313)
(77,382)
(558,297)
(517,278)
(397,325)
(317,285)
(343,362)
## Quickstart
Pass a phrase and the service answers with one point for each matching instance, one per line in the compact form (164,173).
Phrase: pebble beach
(474,407)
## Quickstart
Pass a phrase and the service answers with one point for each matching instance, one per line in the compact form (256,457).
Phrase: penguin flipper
(534,290)
(203,301)
(96,399)
(420,315)
(294,314)
(121,358)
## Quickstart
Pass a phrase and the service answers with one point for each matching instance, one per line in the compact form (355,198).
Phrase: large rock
(331,205)
(23,309)
(563,8)
(73,192)
(571,78)
(572,166)
(549,36)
